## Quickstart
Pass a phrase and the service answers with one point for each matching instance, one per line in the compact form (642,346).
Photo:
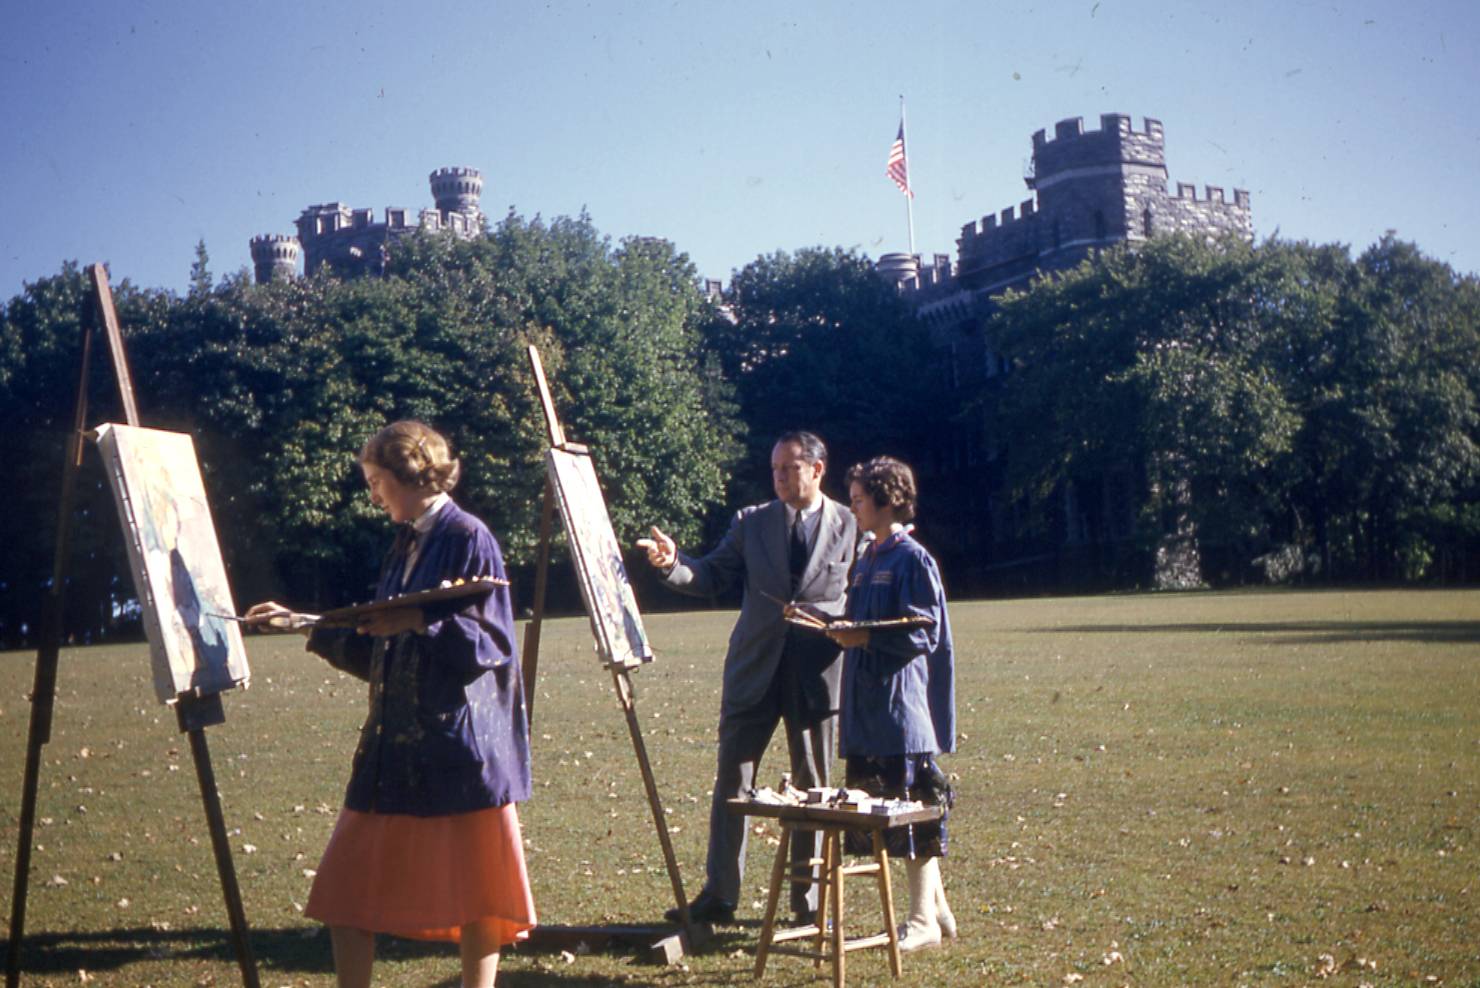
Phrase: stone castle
(1092,190)
(352,242)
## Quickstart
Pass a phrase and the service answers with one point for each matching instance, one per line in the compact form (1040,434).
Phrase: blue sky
(134,129)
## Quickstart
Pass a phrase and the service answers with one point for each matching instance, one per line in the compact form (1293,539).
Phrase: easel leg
(193,715)
(43,693)
(41,706)
(623,681)
(531,660)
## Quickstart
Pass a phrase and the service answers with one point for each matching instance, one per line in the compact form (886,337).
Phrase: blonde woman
(428,845)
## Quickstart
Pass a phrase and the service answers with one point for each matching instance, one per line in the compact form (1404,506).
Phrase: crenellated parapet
(355,242)
(1073,151)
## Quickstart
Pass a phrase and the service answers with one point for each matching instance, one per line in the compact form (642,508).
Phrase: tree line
(1280,402)
(1293,410)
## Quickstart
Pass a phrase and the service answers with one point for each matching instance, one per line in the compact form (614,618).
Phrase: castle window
(1146,222)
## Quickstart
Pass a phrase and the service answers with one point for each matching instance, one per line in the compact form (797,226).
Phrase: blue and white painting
(176,561)
(615,621)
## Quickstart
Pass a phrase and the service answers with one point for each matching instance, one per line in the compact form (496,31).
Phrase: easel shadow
(296,949)
(288,951)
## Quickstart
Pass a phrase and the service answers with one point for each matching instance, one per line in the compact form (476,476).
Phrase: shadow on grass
(1299,632)
(289,951)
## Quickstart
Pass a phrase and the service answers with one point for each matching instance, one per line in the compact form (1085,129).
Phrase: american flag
(899,165)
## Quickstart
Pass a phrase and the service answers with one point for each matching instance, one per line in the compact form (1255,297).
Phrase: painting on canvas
(176,561)
(615,620)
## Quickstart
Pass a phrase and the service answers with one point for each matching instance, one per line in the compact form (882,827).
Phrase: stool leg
(838,940)
(824,892)
(778,879)
(886,900)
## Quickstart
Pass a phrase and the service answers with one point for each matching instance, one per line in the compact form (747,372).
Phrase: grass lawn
(1218,788)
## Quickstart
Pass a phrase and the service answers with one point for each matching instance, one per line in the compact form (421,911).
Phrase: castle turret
(900,268)
(275,257)
(457,190)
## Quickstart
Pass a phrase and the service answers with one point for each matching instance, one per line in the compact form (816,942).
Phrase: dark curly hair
(889,482)
(416,455)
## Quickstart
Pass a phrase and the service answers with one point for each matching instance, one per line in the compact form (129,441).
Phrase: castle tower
(1094,189)
(1092,185)
(275,257)
(456,190)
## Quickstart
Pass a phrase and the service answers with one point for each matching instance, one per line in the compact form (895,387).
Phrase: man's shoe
(705,908)
(804,917)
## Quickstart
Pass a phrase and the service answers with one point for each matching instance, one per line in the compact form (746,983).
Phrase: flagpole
(909,199)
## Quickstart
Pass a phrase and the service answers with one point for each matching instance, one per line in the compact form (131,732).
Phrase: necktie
(405,539)
(401,551)
(797,553)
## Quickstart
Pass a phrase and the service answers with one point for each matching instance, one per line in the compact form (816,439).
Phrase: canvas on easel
(176,561)
(616,622)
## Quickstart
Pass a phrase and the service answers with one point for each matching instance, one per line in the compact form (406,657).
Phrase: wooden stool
(833,824)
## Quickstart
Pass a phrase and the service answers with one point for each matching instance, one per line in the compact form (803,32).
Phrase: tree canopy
(282,383)
(816,340)
(1262,397)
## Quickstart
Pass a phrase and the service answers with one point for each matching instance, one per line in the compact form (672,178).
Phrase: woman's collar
(427,518)
(897,532)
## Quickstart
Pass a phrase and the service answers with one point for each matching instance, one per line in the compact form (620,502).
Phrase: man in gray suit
(797,548)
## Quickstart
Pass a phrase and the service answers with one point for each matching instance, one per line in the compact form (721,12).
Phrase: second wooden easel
(661,941)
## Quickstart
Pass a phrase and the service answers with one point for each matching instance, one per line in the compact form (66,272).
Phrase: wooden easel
(659,940)
(194,714)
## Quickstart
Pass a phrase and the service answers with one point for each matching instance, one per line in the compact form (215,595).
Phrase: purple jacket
(446,732)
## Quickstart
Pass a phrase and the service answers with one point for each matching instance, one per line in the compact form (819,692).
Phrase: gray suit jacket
(753,553)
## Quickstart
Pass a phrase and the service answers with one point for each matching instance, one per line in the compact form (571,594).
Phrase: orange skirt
(426,877)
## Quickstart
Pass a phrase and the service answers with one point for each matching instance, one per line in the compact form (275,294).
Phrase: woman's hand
(384,624)
(850,637)
(271,614)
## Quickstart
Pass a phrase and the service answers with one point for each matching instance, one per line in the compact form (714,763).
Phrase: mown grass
(1213,788)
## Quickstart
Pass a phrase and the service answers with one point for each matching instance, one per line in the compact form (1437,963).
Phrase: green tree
(1392,415)
(40,360)
(617,330)
(1149,362)
(200,270)
(816,340)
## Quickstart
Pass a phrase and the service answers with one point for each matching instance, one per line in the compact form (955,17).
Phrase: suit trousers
(743,738)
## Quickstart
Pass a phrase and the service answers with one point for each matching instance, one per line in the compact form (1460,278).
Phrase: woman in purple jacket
(428,843)
(898,707)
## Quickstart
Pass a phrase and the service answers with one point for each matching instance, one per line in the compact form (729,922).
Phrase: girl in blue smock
(898,701)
